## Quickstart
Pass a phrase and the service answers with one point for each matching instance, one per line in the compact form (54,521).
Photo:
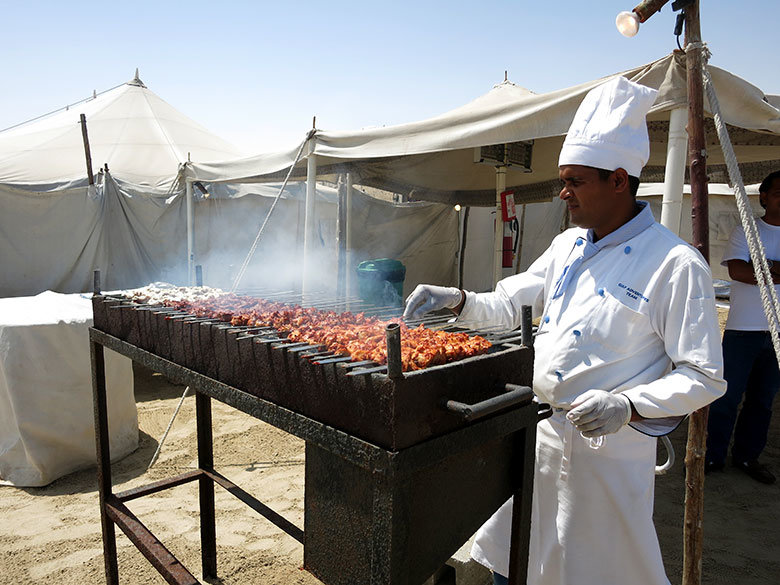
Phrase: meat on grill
(355,334)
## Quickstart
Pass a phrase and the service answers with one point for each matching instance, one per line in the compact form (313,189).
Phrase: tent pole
(308,220)
(87,153)
(674,177)
(341,237)
(190,235)
(498,230)
(350,256)
(697,425)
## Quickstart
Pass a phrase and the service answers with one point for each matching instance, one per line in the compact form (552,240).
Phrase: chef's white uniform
(634,313)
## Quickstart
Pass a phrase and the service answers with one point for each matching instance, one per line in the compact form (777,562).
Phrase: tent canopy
(433,159)
(141,138)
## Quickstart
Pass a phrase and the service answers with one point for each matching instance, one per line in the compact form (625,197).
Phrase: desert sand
(51,535)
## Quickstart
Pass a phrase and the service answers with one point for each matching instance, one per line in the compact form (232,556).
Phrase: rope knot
(705,51)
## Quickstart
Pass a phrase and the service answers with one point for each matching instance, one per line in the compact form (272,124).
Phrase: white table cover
(46,413)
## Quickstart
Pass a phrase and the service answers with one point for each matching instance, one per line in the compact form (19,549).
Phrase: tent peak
(507,83)
(136,80)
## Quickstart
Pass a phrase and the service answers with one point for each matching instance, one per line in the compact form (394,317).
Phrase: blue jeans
(750,369)
(500,579)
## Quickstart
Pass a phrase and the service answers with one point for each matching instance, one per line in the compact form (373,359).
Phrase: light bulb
(457,207)
(627,23)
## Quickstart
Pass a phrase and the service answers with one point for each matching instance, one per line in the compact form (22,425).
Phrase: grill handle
(514,396)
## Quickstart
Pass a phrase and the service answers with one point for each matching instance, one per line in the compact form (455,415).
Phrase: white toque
(609,130)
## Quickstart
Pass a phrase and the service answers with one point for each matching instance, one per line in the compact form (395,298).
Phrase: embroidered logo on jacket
(634,294)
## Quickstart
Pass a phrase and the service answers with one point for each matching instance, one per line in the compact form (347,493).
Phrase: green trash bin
(381,281)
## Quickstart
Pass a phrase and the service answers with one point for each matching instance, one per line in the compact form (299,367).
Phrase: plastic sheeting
(46,413)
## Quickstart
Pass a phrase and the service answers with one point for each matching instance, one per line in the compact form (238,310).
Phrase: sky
(255,73)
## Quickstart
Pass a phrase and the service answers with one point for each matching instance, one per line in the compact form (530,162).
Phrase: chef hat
(609,129)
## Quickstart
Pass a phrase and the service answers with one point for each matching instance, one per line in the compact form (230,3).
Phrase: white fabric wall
(423,236)
(54,241)
(546,220)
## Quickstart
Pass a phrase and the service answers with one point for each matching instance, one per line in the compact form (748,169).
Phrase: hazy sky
(256,72)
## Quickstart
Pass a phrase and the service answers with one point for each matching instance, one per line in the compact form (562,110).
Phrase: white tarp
(423,236)
(46,415)
(54,230)
(434,159)
(544,221)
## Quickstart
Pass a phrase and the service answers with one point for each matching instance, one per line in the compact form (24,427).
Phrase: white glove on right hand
(598,412)
(427,297)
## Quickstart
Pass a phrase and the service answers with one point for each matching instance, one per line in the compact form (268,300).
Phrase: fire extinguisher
(509,218)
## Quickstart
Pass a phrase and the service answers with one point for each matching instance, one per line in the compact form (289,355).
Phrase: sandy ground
(52,535)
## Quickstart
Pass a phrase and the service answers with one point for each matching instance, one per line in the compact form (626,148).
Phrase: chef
(628,344)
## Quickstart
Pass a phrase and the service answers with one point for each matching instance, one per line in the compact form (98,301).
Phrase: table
(46,420)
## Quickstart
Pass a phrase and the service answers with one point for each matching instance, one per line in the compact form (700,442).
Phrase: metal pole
(190,234)
(350,261)
(341,238)
(308,220)
(674,177)
(697,425)
(463,239)
(393,336)
(498,241)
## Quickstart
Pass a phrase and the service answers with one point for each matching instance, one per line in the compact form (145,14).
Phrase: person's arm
(742,271)
(685,318)
(502,307)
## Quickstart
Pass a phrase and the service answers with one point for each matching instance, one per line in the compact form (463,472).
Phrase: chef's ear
(620,180)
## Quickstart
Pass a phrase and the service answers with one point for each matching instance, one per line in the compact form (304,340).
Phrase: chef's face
(591,201)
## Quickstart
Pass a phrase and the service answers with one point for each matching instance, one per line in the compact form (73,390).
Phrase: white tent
(133,226)
(434,159)
(54,229)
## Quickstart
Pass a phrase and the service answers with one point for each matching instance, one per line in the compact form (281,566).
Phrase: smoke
(421,236)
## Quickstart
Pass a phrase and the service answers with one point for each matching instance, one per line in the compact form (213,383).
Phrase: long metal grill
(359,397)
(401,467)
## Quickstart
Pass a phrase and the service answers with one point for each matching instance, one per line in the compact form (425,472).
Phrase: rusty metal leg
(521,509)
(99,402)
(208,533)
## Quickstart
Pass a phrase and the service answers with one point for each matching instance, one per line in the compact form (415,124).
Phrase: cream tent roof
(434,159)
(141,137)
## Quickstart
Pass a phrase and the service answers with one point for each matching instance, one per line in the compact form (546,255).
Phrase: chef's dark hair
(633,182)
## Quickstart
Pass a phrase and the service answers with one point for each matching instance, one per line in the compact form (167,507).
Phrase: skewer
(317,354)
(367,371)
(304,348)
(334,360)
(359,364)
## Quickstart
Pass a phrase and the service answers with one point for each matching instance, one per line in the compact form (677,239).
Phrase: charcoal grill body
(394,482)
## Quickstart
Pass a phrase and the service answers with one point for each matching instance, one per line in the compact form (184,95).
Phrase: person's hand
(597,412)
(427,297)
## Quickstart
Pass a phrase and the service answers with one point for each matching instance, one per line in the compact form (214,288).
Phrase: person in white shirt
(749,361)
(628,343)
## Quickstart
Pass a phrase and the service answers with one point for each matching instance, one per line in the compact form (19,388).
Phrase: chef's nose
(565,193)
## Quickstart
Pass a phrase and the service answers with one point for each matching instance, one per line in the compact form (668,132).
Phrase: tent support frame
(697,426)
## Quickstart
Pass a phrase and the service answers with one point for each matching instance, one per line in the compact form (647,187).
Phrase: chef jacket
(633,312)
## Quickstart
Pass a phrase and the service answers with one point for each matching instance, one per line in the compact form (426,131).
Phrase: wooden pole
(697,425)
(87,153)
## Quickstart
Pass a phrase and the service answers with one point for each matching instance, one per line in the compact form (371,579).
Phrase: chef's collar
(636,225)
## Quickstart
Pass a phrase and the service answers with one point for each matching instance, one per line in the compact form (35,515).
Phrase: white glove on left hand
(597,412)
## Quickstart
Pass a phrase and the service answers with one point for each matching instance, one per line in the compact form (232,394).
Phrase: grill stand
(397,554)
